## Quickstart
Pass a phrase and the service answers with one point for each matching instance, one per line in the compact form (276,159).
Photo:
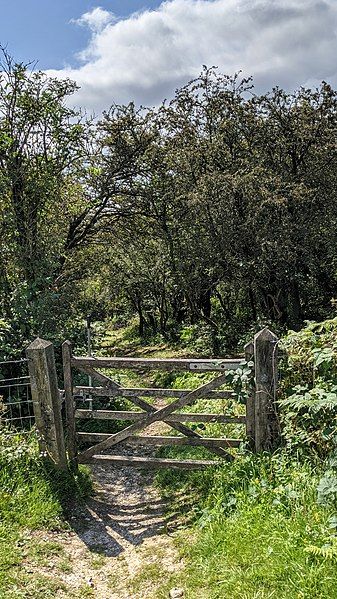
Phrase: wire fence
(16,405)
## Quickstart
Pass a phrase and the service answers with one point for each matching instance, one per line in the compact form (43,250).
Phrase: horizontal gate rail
(166,440)
(144,392)
(159,363)
(188,417)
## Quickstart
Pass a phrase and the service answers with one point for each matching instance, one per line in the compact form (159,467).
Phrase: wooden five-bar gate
(59,436)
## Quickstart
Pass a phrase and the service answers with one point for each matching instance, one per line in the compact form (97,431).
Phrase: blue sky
(42,29)
(142,50)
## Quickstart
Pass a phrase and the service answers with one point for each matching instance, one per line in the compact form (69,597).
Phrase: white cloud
(146,56)
(95,19)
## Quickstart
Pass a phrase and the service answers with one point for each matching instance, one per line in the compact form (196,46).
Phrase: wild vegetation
(181,229)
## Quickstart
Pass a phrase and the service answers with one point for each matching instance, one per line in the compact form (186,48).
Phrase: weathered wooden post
(71,438)
(267,430)
(46,400)
(250,404)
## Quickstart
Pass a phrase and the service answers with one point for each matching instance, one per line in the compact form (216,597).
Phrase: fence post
(250,404)
(267,430)
(71,438)
(46,400)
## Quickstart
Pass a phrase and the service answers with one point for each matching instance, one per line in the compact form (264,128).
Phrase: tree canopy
(215,211)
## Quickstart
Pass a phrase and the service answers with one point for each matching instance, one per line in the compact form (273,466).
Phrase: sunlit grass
(255,521)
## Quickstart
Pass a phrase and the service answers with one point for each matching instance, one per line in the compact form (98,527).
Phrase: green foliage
(265,525)
(115,339)
(32,492)
(327,487)
(41,141)
(194,223)
(309,388)
(228,221)
(198,338)
(204,218)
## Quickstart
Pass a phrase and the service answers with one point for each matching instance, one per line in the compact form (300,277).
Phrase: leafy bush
(266,524)
(309,388)
(198,338)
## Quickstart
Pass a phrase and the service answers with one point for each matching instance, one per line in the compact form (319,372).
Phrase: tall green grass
(258,531)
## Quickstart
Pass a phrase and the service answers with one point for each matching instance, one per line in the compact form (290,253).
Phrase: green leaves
(327,488)
(240,380)
(325,356)
(309,384)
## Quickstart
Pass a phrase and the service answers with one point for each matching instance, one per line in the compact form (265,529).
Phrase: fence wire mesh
(16,405)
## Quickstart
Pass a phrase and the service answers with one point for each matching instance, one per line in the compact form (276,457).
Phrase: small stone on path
(176,593)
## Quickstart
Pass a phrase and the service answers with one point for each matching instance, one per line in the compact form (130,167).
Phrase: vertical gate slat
(267,430)
(250,404)
(71,440)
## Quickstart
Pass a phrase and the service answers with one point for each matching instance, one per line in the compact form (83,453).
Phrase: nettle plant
(309,388)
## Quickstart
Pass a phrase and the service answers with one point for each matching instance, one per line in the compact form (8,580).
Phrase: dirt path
(121,545)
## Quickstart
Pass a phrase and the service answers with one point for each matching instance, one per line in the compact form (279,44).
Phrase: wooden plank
(46,400)
(188,417)
(110,384)
(197,365)
(250,404)
(267,428)
(71,440)
(155,416)
(139,462)
(165,440)
(145,392)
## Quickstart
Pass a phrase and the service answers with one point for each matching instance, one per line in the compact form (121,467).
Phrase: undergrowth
(309,388)
(261,527)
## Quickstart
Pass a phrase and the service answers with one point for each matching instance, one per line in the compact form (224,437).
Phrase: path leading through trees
(121,545)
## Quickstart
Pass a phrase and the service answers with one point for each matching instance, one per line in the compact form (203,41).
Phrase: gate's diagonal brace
(153,417)
(144,405)
(110,384)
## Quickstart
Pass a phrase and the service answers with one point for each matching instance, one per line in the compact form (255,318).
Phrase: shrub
(309,388)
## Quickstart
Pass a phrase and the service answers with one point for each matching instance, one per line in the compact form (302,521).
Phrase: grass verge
(33,496)
(258,531)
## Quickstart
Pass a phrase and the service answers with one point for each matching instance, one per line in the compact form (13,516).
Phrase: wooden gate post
(46,400)
(267,430)
(250,404)
(71,439)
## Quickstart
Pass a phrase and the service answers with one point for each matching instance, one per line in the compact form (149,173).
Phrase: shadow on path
(125,511)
